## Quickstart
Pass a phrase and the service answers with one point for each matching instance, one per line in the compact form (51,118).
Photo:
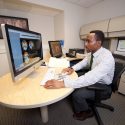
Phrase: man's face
(91,43)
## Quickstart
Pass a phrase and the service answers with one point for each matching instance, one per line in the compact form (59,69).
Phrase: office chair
(119,69)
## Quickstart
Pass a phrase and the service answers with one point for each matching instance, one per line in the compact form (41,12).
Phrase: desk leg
(44,113)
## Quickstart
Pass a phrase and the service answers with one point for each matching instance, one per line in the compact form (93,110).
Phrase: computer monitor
(24,50)
(55,48)
(121,44)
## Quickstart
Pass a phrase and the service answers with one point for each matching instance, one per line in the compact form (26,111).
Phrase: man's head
(94,40)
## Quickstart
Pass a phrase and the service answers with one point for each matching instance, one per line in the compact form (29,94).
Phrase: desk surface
(28,93)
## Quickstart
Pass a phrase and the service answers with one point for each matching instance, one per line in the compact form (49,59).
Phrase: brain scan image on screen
(31,45)
(24,45)
(26,57)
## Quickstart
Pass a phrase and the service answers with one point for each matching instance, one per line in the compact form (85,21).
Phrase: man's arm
(82,64)
(52,84)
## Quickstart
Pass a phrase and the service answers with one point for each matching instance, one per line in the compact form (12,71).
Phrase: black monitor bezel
(10,50)
(51,52)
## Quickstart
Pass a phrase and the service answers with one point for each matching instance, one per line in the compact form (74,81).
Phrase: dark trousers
(80,96)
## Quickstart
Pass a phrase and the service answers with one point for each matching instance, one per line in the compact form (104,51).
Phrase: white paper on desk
(58,62)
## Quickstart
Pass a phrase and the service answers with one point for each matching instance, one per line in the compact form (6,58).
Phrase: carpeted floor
(60,113)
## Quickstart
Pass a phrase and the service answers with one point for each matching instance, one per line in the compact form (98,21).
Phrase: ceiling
(84,3)
(26,7)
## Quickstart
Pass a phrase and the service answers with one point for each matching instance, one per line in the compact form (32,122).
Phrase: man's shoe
(83,115)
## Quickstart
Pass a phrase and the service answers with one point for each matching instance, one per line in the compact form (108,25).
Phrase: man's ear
(99,43)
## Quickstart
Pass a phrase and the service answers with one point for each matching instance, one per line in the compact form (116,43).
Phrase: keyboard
(51,74)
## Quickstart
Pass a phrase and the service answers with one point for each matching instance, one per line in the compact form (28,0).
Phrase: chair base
(97,116)
(102,105)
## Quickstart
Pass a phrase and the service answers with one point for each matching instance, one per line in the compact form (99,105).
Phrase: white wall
(73,19)
(42,20)
(59,26)
(38,22)
(105,10)
(45,26)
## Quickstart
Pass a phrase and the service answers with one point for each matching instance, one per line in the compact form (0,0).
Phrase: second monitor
(55,48)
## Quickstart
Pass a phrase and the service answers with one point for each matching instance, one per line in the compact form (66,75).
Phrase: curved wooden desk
(29,94)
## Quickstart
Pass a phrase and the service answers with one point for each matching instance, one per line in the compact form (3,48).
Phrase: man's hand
(68,71)
(54,84)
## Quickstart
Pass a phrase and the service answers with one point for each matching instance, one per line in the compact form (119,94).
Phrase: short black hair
(99,35)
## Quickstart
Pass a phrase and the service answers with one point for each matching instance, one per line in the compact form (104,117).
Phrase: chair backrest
(119,69)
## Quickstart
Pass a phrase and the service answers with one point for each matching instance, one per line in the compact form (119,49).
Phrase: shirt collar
(97,53)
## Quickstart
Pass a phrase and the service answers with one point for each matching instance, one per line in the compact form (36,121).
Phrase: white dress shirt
(102,70)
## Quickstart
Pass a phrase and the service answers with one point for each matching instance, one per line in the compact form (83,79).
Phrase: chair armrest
(96,88)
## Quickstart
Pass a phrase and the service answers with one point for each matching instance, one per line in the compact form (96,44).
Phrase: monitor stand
(33,75)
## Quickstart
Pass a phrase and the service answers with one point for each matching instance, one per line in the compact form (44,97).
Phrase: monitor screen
(24,50)
(121,45)
(55,48)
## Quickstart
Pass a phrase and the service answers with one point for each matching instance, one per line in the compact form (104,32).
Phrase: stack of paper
(58,62)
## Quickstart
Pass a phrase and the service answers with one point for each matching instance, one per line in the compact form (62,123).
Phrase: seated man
(101,72)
